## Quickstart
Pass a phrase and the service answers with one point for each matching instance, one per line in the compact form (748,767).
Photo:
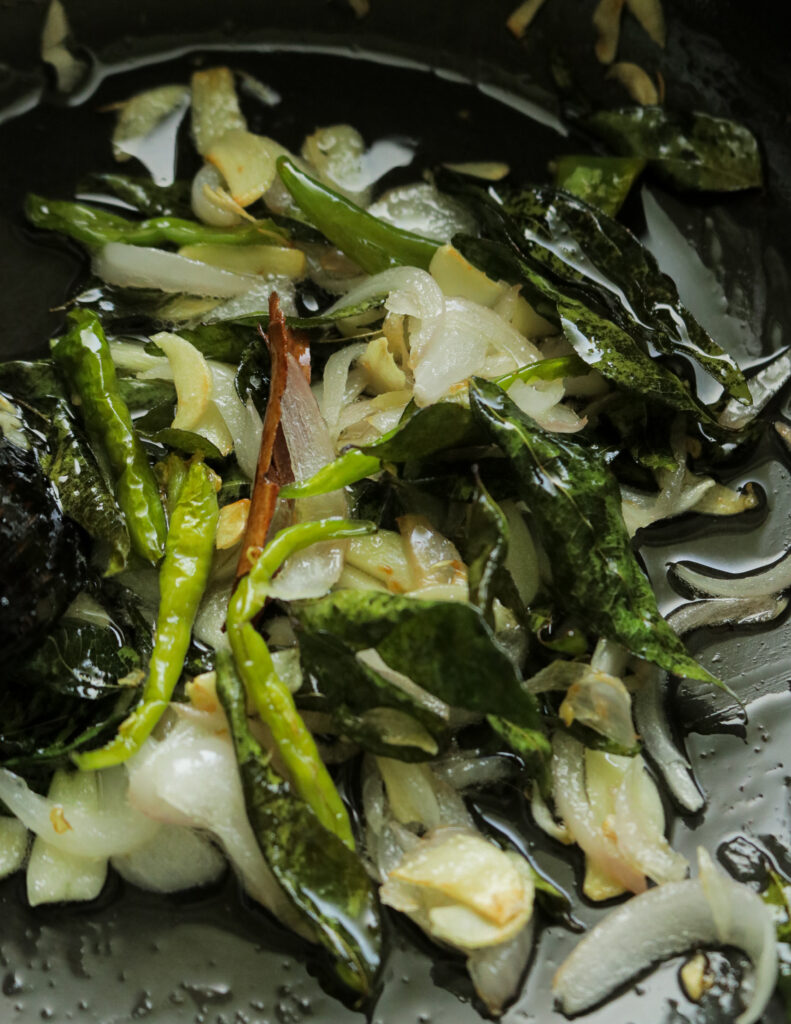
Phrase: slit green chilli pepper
(370,242)
(182,581)
(269,693)
(84,356)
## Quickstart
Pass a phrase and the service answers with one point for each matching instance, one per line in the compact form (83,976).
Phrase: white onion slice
(114,828)
(573,806)
(191,778)
(204,205)
(762,582)
(640,834)
(662,922)
(139,266)
(334,387)
(175,859)
(654,728)
(312,572)
(496,971)
(424,293)
(721,611)
(13,845)
(763,387)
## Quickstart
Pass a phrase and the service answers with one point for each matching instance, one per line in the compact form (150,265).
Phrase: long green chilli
(370,242)
(92,226)
(269,693)
(182,581)
(84,356)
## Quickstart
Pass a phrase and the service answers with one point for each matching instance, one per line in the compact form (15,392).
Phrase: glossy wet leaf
(253,374)
(485,548)
(691,151)
(352,688)
(602,181)
(575,506)
(445,647)
(325,880)
(67,459)
(604,257)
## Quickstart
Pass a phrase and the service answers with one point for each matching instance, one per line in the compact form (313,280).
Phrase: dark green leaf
(602,255)
(145,394)
(235,485)
(225,342)
(253,375)
(184,441)
(67,459)
(352,688)
(485,548)
(690,151)
(325,880)
(64,697)
(445,647)
(575,505)
(602,181)
(423,432)
(144,194)
(142,310)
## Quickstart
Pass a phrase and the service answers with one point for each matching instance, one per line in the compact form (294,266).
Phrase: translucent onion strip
(726,611)
(138,266)
(771,579)
(662,922)
(654,728)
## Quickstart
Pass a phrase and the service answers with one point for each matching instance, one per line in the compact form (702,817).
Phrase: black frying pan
(214,958)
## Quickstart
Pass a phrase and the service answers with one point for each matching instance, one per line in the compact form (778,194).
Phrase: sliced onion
(250,303)
(203,201)
(426,299)
(383,555)
(663,922)
(637,82)
(334,395)
(574,807)
(546,822)
(58,876)
(600,702)
(312,572)
(140,115)
(115,827)
(609,657)
(454,346)
(654,727)
(175,859)
(771,579)
(497,971)
(422,208)
(639,833)
(434,560)
(139,266)
(14,842)
(726,611)
(190,778)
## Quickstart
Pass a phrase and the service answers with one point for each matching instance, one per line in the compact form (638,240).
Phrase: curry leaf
(445,647)
(602,181)
(603,255)
(575,505)
(325,879)
(355,688)
(423,432)
(691,151)
(67,459)
(486,535)
(143,194)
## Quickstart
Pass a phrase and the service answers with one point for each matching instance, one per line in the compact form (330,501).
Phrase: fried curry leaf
(253,374)
(485,548)
(598,341)
(603,255)
(423,432)
(691,150)
(67,459)
(65,696)
(353,689)
(575,504)
(445,647)
(602,181)
(324,878)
